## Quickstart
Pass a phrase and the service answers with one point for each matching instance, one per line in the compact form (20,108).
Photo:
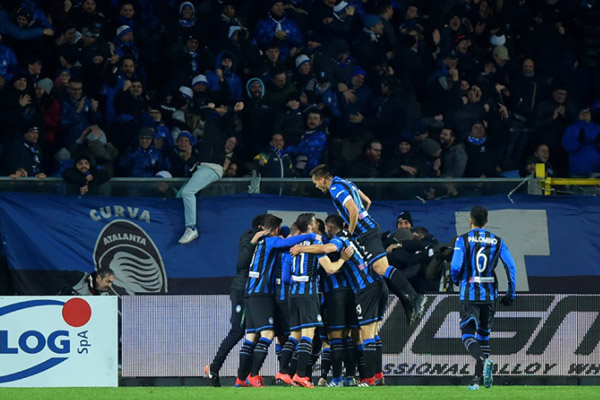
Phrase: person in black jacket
(24,156)
(82,176)
(183,156)
(236,333)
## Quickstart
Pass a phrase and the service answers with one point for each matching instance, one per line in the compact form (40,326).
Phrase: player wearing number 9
(476,255)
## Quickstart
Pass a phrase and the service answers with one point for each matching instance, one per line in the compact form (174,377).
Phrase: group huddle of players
(281,295)
(312,282)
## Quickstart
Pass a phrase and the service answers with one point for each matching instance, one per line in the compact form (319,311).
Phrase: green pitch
(279,393)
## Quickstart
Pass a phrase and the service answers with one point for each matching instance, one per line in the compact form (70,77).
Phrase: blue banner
(550,238)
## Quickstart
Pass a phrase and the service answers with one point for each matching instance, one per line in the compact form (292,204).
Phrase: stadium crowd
(399,88)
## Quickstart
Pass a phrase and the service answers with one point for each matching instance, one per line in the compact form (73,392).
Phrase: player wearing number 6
(476,254)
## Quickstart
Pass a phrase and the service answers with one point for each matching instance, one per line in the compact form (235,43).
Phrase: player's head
(478,216)
(258,221)
(333,224)
(294,229)
(306,222)
(321,177)
(272,223)
(319,228)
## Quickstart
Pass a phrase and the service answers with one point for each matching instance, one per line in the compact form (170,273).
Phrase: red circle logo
(76,312)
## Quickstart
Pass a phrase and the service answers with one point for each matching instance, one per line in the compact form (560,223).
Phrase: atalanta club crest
(126,248)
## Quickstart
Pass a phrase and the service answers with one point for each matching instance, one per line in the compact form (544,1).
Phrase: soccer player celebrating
(260,307)
(353,206)
(304,305)
(370,295)
(476,254)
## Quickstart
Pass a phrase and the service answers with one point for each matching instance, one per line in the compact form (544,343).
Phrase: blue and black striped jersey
(282,277)
(337,280)
(476,255)
(261,278)
(342,191)
(305,272)
(358,273)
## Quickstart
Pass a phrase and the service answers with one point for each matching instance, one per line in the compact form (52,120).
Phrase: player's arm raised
(332,267)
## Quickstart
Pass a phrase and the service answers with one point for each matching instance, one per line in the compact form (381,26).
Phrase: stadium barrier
(553,335)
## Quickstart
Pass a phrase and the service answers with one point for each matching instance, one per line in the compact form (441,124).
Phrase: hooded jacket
(233,79)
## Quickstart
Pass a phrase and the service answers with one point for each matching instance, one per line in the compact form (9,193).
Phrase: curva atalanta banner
(58,341)
(553,240)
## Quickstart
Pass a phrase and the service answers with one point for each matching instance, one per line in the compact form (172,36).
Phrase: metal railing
(377,189)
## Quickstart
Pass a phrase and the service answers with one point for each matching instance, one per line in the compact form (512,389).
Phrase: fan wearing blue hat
(371,48)
(183,156)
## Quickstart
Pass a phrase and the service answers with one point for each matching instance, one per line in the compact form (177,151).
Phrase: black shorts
(371,303)
(373,247)
(260,313)
(305,312)
(282,318)
(482,314)
(341,311)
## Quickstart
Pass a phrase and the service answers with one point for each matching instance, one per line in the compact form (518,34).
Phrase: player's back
(260,276)
(342,190)
(481,250)
(305,272)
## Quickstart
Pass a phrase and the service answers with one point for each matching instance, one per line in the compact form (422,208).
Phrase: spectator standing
(143,161)
(277,27)
(312,147)
(274,162)
(77,112)
(183,157)
(369,163)
(582,141)
(550,120)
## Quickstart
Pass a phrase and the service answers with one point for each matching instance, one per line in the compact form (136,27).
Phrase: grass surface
(279,393)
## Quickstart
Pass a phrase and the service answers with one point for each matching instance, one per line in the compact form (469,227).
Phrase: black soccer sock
(370,350)
(260,353)
(286,355)
(399,285)
(293,363)
(325,362)
(379,346)
(483,338)
(337,356)
(359,356)
(474,350)
(246,356)
(278,350)
(314,356)
(304,351)
(349,360)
